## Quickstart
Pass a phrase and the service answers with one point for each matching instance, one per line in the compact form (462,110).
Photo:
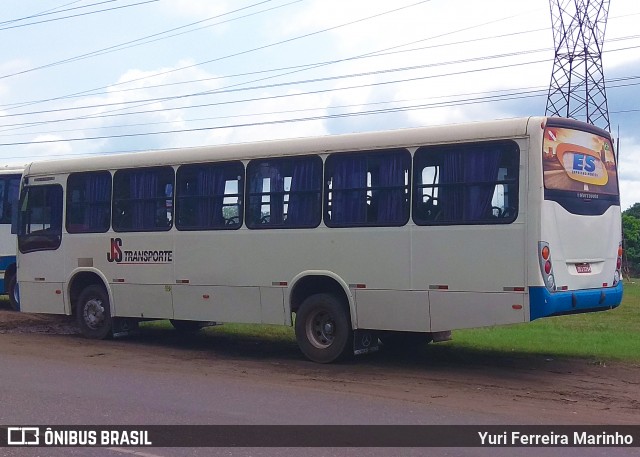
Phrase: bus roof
(506,128)
(11,170)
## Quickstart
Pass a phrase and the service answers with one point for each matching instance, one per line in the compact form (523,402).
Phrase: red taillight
(545,253)
(546,267)
(619,263)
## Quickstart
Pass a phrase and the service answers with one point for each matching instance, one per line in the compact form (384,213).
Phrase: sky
(92,77)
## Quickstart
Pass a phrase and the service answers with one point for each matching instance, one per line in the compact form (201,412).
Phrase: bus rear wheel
(323,328)
(14,293)
(93,313)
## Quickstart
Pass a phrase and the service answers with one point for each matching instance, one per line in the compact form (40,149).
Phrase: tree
(631,236)
(633,211)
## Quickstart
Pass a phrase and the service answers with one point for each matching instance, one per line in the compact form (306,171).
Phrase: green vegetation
(608,335)
(631,236)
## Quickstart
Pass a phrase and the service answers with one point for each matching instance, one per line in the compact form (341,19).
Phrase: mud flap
(124,326)
(365,341)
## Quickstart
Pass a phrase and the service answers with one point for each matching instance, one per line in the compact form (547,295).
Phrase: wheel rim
(94,315)
(16,294)
(321,329)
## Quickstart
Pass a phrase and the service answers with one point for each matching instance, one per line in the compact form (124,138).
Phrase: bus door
(40,247)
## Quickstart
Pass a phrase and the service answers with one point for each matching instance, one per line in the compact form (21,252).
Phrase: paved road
(64,379)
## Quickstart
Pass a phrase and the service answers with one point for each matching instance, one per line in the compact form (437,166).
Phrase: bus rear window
(579,168)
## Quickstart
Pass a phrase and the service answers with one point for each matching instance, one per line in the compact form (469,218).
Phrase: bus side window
(40,219)
(89,202)
(284,192)
(474,183)
(367,188)
(209,196)
(143,199)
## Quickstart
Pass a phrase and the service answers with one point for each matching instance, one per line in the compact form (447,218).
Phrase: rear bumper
(542,303)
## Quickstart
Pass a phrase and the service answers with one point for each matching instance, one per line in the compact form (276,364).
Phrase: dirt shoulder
(532,389)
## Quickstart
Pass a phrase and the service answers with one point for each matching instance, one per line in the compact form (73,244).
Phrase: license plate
(583,267)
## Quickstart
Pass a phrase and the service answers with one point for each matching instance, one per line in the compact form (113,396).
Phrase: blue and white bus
(398,236)
(9,193)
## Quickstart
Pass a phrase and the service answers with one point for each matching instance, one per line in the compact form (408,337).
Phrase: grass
(607,335)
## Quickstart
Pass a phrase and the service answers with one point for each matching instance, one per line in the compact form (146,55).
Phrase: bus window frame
(157,199)
(179,199)
(369,205)
(55,235)
(511,158)
(90,229)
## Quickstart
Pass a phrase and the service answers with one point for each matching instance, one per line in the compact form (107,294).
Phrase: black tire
(14,293)
(187,326)
(323,329)
(93,313)
(404,341)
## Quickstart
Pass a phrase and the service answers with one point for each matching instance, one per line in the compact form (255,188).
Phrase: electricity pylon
(577,88)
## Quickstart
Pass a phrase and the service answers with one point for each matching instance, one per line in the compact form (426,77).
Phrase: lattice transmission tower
(577,88)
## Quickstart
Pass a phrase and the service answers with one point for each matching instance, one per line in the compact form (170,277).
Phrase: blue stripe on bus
(5,261)
(542,303)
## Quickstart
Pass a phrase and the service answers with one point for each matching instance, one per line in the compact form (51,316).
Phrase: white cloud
(55,146)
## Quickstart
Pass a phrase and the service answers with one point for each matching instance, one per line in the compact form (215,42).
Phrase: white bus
(9,193)
(398,236)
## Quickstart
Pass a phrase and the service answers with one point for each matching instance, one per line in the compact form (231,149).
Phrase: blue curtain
(467,183)
(143,187)
(210,190)
(482,168)
(304,196)
(97,201)
(392,200)
(273,198)
(349,190)
(451,192)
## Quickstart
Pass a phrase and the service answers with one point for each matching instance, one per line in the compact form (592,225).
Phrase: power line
(274,97)
(129,44)
(380,53)
(516,95)
(374,53)
(533,93)
(274,85)
(613,83)
(103,115)
(254,124)
(250,50)
(269,86)
(77,15)
(56,11)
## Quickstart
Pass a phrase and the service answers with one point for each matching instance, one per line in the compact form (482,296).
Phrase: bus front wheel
(14,293)
(94,313)
(323,328)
